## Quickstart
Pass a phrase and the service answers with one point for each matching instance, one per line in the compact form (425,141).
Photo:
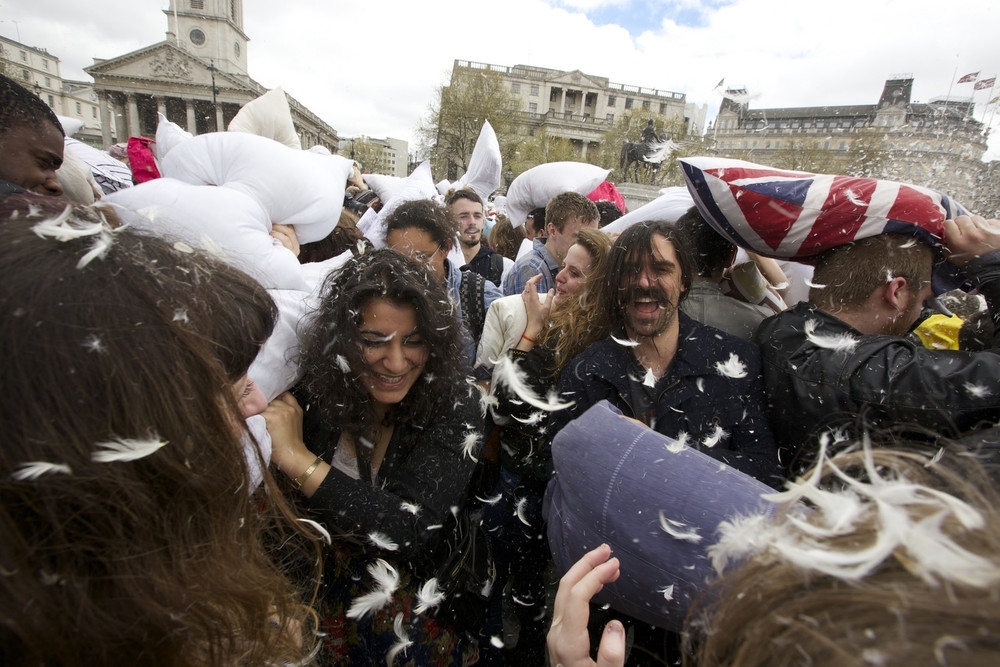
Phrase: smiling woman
(384,456)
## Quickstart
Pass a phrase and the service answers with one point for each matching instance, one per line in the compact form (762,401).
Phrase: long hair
(631,251)
(332,353)
(109,559)
(910,574)
(572,325)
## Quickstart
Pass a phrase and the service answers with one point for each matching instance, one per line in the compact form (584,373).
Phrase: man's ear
(550,229)
(897,293)
(448,245)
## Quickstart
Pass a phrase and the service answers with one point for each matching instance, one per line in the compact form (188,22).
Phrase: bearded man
(691,382)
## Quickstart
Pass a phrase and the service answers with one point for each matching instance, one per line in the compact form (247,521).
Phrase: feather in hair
(32,470)
(126,449)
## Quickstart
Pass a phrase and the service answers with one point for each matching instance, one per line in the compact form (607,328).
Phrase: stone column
(192,123)
(133,116)
(105,117)
(161,106)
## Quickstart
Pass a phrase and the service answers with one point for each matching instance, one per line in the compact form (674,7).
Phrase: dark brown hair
(157,560)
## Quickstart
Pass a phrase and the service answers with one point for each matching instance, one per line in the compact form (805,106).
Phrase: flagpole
(989,96)
(953,77)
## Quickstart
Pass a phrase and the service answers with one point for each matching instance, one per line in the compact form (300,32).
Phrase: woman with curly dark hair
(385,455)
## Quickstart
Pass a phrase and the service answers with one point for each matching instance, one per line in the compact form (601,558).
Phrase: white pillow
(70,126)
(268,116)
(76,179)
(222,220)
(418,185)
(294,187)
(538,185)
(485,165)
(670,205)
(168,135)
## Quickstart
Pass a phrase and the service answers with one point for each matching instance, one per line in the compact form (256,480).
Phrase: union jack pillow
(798,215)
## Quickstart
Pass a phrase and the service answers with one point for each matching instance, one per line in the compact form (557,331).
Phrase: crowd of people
(395,463)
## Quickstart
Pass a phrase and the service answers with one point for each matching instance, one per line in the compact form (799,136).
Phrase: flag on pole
(984,83)
(994,100)
(721,81)
(968,78)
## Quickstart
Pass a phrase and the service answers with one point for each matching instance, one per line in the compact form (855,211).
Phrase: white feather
(625,342)
(810,283)
(700,383)
(491,501)
(180,246)
(678,445)
(507,373)
(668,592)
(342,364)
(839,342)
(429,595)
(32,470)
(519,510)
(713,438)
(469,444)
(126,449)
(386,582)
(98,249)
(732,367)
(319,529)
(649,380)
(93,343)
(382,541)
(533,418)
(676,530)
(59,228)
(402,643)
(412,508)
(978,390)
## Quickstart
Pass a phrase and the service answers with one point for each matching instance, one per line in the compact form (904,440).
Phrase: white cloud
(373,67)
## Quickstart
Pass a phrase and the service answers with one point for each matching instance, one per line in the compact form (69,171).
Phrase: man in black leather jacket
(843,355)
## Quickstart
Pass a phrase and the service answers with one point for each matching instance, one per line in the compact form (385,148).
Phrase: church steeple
(211,30)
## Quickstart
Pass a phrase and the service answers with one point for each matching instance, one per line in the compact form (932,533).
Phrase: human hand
(568,641)
(968,237)
(356,178)
(536,309)
(284,424)
(285,234)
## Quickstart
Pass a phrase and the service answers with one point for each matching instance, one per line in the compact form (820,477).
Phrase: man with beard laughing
(691,382)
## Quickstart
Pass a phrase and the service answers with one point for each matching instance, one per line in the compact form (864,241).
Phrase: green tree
(455,119)
(867,156)
(540,149)
(370,154)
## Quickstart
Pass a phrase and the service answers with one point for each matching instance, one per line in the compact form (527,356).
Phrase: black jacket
(694,397)
(889,379)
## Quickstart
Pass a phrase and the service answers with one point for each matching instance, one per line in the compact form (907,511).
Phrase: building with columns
(583,107)
(197,77)
(38,70)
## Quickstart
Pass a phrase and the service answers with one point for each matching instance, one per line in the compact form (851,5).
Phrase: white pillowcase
(535,187)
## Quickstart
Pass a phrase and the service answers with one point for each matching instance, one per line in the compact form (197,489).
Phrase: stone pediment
(577,79)
(164,63)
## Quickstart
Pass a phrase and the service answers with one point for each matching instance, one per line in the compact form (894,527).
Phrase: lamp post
(211,68)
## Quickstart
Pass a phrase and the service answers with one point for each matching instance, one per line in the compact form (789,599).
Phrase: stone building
(378,156)
(583,107)
(197,77)
(38,70)
(938,144)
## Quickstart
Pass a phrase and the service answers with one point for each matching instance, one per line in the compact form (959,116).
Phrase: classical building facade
(583,107)
(378,156)
(938,144)
(38,70)
(197,77)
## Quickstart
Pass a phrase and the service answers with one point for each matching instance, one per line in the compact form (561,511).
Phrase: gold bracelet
(301,479)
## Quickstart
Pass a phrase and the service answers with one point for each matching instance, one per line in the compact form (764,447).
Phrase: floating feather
(668,592)
(676,530)
(32,470)
(469,444)
(429,595)
(978,390)
(382,541)
(490,501)
(649,380)
(731,367)
(839,342)
(126,449)
(713,438)
(626,342)
(386,582)
(319,529)
(402,642)
(412,508)
(507,373)
(519,511)
(679,444)
(813,285)
(93,343)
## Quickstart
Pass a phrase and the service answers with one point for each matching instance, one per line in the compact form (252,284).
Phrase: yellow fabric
(940,332)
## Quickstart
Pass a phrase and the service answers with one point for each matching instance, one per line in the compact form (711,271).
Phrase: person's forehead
(662,249)
(410,237)
(460,206)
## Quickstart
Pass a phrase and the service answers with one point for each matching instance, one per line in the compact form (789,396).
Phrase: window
(48,82)
(93,111)
(515,87)
(197,4)
(79,109)
(532,107)
(24,56)
(52,102)
(197,36)
(570,98)
(534,90)
(645,105)
(25,75)
(610,117)
(612,100)
(663,108)
(45,63)
(628,102)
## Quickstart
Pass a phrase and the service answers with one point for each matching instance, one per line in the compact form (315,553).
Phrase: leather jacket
(884,380)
